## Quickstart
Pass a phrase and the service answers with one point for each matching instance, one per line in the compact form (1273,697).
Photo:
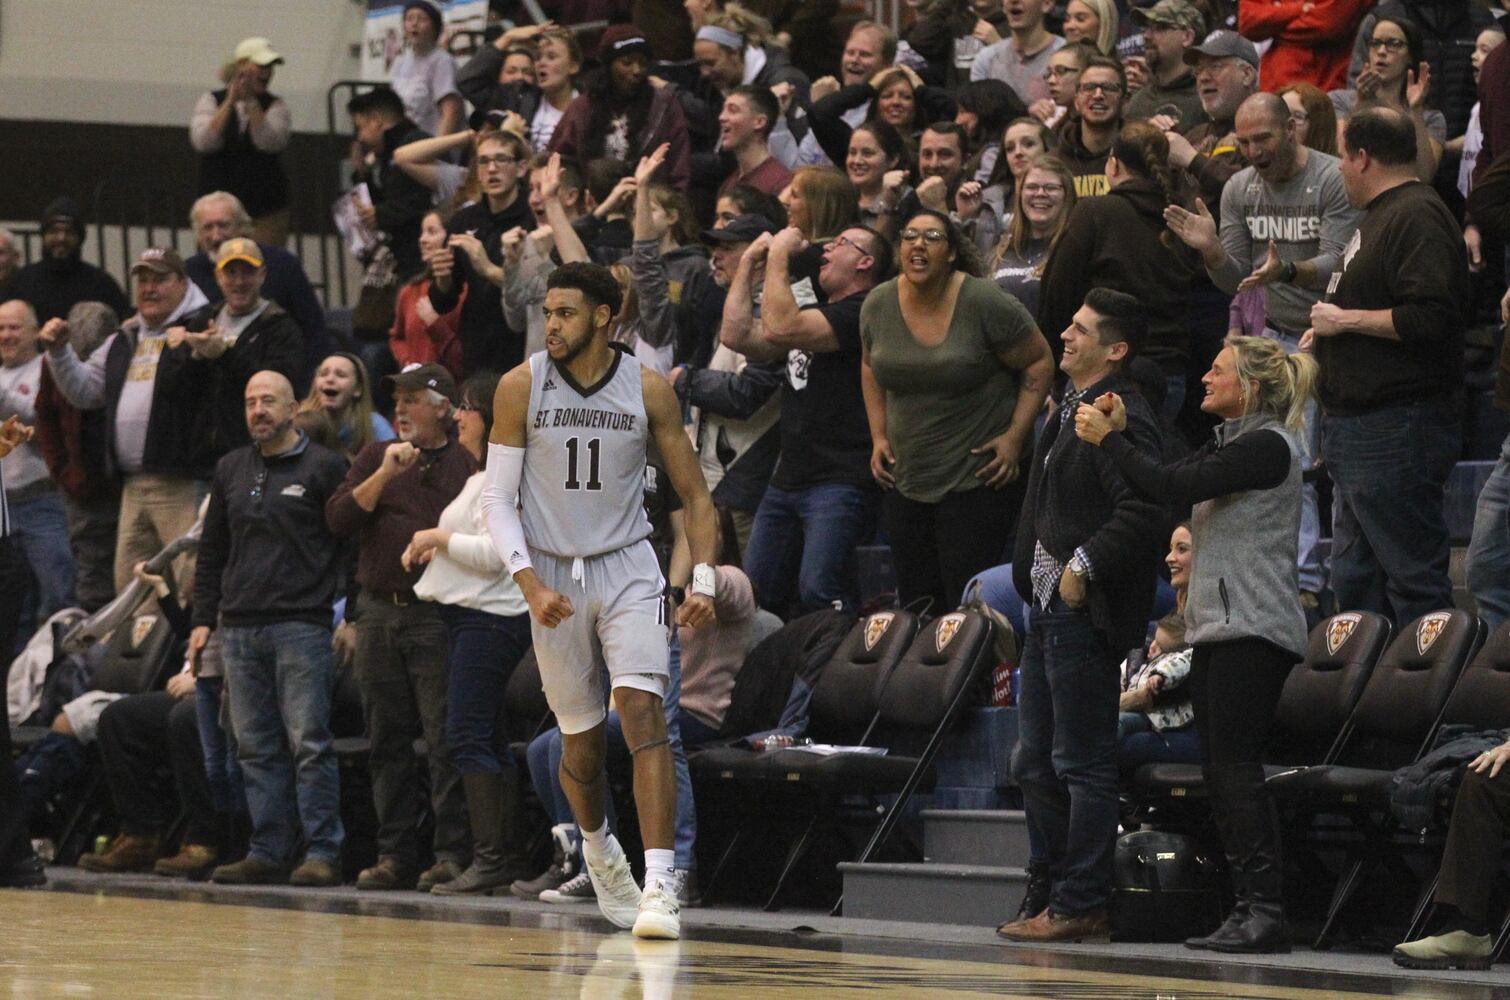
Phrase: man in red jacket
(1313,39)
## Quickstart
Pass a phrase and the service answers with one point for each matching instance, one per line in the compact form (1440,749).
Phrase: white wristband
(704,580)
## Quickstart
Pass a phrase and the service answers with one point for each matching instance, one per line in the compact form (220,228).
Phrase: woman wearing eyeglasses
(1314,117)
(488,620)
(953,373)
(1397,76)
(1045,196)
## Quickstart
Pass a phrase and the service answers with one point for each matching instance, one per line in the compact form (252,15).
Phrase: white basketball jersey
(583,487)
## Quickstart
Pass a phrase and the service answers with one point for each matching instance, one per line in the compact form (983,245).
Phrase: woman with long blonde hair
(1045,196)
(1243,612)
(343,392)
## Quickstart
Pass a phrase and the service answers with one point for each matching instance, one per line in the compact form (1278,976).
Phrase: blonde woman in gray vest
(1243,612)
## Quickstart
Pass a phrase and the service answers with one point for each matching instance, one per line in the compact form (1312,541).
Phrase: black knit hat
(64,209)
(431,11)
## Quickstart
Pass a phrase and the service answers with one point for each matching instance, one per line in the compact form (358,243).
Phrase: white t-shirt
(423,82)
(18,397)
(543,125)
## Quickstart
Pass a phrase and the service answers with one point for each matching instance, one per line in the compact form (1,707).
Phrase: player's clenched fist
(696,611)
(548,607)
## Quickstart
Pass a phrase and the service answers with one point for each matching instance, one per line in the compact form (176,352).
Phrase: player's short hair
(594,281)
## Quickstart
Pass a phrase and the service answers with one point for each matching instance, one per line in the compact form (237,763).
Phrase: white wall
(145,62)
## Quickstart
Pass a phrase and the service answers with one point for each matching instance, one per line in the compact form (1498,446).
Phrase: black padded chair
(843,711)
(1481,700)
(1311,720)
(1393,724)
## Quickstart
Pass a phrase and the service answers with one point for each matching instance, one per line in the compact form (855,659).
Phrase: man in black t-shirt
(821,502)
(1389,340)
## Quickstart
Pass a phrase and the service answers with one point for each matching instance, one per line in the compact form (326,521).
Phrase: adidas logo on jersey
(550,384)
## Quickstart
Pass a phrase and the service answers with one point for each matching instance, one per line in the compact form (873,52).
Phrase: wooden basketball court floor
(74,943)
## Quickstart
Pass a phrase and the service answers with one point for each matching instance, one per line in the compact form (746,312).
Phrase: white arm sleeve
(500,505)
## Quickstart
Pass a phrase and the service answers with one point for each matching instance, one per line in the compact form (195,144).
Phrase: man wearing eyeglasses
(1087,137)
(1169,28)
(1226,74)
(268,567)
(821,501)
(473,258)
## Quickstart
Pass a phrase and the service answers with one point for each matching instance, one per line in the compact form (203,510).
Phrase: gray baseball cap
(1223,44)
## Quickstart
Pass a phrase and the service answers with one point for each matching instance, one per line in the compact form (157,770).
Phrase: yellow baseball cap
(238,248)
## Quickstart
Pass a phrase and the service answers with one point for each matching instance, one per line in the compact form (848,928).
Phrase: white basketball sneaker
(660,915)
(618,894)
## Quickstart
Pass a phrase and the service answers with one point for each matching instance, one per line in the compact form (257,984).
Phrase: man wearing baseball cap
(738,453)
(244,334)
(596,123)
(392,490)
(240,132)
(1169,28)
(154,406)
(1226,75)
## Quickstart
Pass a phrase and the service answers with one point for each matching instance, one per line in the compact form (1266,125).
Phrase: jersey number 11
(572,449)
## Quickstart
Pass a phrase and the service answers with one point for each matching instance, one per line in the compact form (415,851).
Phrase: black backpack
(1165,889)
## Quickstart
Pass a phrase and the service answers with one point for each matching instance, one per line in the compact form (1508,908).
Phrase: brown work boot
(126,854)
(388,874)
(315,873)
(251,871)
(193,861)
(1049,926)
(438,874)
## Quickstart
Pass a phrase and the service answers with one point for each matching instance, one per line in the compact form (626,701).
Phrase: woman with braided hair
(1119,241)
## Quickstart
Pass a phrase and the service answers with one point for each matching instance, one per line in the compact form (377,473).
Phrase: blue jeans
(1389,535)
(1066,760)
(544,757)
(485,648)
(1139,743)
(221,769)
(1489,548)
(281,679)
(40,528)
(808,536)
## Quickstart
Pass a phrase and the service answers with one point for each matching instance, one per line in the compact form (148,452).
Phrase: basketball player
(566,470)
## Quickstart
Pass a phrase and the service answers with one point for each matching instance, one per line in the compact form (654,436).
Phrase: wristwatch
(703,580)
(1287,272)
(1078,568)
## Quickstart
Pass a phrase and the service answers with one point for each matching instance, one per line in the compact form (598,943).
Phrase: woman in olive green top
(954,372)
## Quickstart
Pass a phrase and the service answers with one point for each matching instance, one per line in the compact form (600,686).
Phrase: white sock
(597,846)
(659,863)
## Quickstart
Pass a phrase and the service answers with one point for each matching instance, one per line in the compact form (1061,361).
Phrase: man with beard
(1285,223)
(393,490)
(1169,28)
(1226,73)
(623,115)
(268,566)
(472,259)
(941,165)
(54,284)
(1086,139)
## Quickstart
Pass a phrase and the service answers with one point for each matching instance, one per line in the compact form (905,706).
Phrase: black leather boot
(1035,898)
(1252,842)
(1219,816)
(493,807)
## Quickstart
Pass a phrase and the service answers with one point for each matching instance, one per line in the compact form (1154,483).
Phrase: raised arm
(737,330)
(784,324)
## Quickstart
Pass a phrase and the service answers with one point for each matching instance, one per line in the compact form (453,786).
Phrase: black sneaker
(25,874)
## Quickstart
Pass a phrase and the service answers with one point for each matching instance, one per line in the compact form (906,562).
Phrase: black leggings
(938,547)
(1235,687)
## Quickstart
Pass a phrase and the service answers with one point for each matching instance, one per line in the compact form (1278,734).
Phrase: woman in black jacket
(1243,612)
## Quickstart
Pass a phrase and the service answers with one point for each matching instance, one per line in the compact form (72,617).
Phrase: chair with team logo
(943,668)
(1346,803)
(1311,722)
(842,710)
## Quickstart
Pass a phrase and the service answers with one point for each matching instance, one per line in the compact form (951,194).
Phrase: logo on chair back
(141,627)
(1340,629)
(876,626)
(945,629)
(1430,628)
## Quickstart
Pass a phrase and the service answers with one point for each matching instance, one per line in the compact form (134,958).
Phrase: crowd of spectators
(970,290)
